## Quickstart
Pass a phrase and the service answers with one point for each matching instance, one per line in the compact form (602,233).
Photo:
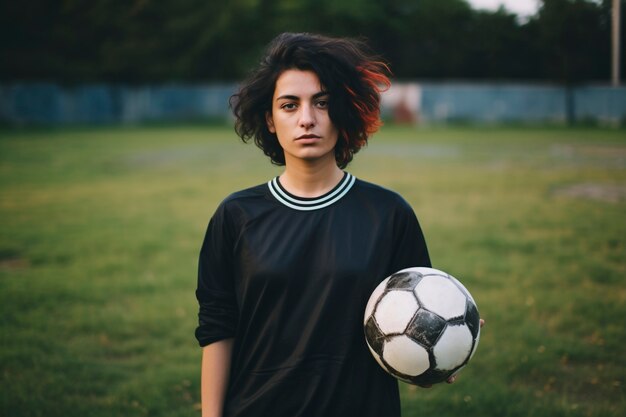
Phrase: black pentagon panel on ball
(403,280)
(425,328)
(472,318)
(374,336)
(432,376)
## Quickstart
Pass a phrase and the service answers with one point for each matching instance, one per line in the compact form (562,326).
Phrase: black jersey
(289,279)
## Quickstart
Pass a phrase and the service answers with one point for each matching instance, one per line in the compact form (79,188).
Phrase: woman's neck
(310,180)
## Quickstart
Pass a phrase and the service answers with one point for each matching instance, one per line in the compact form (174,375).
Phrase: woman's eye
(288,106)
(322,104)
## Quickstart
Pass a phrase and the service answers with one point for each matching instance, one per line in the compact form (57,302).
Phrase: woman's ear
(270,122)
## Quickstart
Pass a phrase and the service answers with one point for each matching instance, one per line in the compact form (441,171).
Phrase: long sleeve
(410,249)
(217,317)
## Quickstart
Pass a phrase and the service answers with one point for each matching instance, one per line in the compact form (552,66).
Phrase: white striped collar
(307,204)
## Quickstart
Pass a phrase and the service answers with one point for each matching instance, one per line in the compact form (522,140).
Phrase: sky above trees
(522,8)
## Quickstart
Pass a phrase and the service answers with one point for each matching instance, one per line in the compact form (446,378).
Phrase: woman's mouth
(308,136)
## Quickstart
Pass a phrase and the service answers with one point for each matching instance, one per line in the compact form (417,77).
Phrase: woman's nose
(307,117)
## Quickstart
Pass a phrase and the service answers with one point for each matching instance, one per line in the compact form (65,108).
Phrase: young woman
(287,267)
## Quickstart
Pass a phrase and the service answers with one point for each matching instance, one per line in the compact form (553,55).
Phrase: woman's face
(300,117)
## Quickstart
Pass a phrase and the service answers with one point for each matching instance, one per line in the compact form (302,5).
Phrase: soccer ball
(422,325)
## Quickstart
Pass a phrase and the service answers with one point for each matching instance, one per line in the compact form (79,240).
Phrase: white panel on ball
(441,296)
(463,286)
(453,348)
(395,310)
(406,356)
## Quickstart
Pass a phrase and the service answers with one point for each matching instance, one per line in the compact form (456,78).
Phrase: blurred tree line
(146,41)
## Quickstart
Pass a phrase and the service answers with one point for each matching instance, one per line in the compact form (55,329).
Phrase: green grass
(100,229)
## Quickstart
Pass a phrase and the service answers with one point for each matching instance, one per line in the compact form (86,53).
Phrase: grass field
(100,230)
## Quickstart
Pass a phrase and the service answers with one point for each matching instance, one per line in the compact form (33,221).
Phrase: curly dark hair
(352,75)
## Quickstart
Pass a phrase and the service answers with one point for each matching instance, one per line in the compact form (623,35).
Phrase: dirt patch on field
(608,156)
(591,191)
(11,259)
(16,263)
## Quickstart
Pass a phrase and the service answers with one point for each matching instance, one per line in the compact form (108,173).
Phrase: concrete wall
(423,102)
(496,103)
(23,104)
